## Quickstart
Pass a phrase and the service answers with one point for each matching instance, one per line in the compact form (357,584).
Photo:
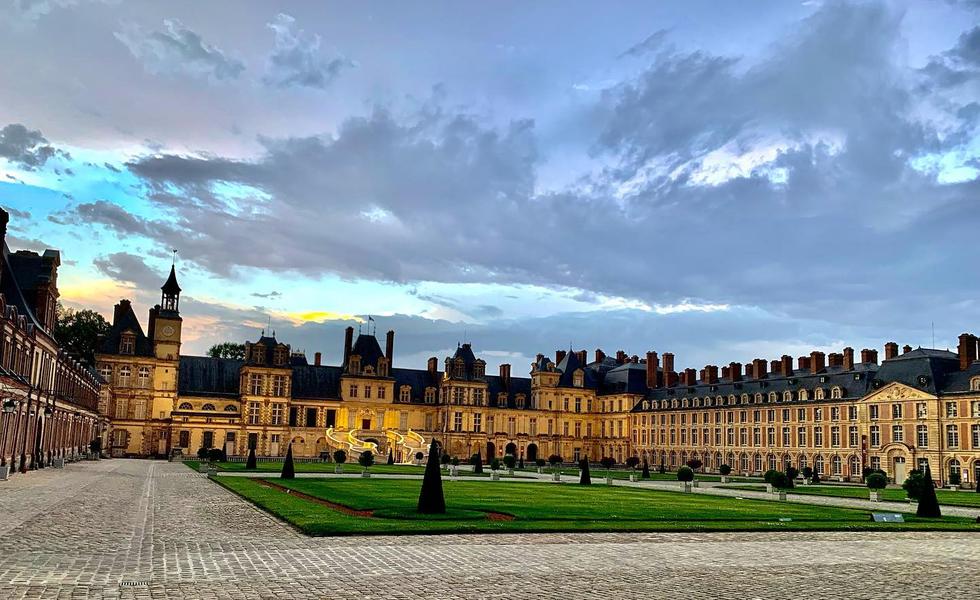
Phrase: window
(477,422)
(835,413)
(952,436)
(143,377)
(818,464)
(279,386)
(534,427)
(975,409)
(185,406)
(578,429)
(771,436)
(951,409)
(836,465)
(921,410)
(876,462)
(277,410)
(818,414)
(801,437)
(852,436)
(459,395)
(921,436)
(430,395)
(756,437)
(975,436)
(122,408)
(367,391)
(208,406)
(119,437)
(352,390)
(836,393)
(818,437)
(311,417)
(255,384)
(231,408)
(875,436)
(835,437)
(184,439)
(405,394)
(208,439)
(125,375)
(477,396)
(519,400)
(127,343)
(873,412)
(578,405)
(852,413)
(898,433)
(786,437)
(457,421)
(896,411)
(975,384)
(106,373)
(818,394)
(254,409)
(804,395)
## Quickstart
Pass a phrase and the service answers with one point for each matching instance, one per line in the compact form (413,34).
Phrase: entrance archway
(532,452)
(511,448)
(491,451)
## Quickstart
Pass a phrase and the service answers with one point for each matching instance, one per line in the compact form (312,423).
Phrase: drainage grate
(134,583)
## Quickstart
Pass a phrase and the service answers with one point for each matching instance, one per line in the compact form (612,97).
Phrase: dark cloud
(178,50)
(296,60)
(128,268)
(25,147)
(655,41)
(272,294)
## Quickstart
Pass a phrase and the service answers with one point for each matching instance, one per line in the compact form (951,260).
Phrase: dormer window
(127,343)
(258,354)
(578,378)
(355,364)
(479,369)
(975,384)
(804,395)
(836,393)
(405,394)
(383,366)
(520,400)
(430,395)
(818,394)
(369,370)
(280,356)
(787,396)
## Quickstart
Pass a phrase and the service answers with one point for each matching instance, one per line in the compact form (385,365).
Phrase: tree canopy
(78,331)
(227,350)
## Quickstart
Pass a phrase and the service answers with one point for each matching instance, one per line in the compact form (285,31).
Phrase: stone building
(50,400)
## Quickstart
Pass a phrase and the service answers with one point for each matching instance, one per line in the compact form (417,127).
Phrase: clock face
(168,331)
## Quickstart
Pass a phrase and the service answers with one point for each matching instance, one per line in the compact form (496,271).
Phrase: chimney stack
(316,358)
(906,349)
(759,368)
(787,365)
(559,356)
(749,371)
(726,371)
(803,363)
(599,355)
(848,359)
(620,356)
(967,350)
(711,373)
(775,367)
(816,362)
(505,375)
(390,347)
(432,365)
(653,365)
(735,370)
(690,377)
(348,343)
(583,358)
(835,360)
(891,350)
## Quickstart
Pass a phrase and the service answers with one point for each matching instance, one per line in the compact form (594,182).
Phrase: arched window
(773,396)
(818,394)
(745,399)
(787,396)
(578,378)
(804,395)
(836,392)
(519,399)
(185,406)
(975,384)
(430,395)
(836,465)
(231,408)
(208,406)
(758,398)
(818,464)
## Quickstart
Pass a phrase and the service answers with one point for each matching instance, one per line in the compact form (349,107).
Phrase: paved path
(140,529)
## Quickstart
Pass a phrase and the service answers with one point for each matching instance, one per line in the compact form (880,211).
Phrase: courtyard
(142,529)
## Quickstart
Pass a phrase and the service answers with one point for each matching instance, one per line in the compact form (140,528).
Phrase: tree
(695,464)
(913,484)
(510,461)
(586,478)
(227,350)
(391,457)
(454,462)
(928,503)
(770,475)
(876,481)
(495,464)
(685,474)
(78,332)
(366,459)
(419,456)
(816,477)
(791,474)
(431,499)
(202,453)
(444,459)
(540,462)
(288,472)
(807,473)
(477,462)
(646,470)
(724,470)
(662,468)
(607,463)
(554,460)
(633,462)
(780,481)
(251,464)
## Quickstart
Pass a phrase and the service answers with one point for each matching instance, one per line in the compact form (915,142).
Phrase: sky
(720,180)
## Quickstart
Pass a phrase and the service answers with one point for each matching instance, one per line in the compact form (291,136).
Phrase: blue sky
(720,180)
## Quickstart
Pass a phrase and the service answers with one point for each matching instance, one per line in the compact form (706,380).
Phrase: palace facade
(831,412)
(50,401)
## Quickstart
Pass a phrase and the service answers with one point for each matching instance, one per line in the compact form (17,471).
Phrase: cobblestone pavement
(141,529)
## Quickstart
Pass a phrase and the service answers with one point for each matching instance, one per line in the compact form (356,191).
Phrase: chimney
(670,378)
(712,372)
(803,363)
(653,365)
(787,365)
(690,376)
(118,310)
(559,356)
(702,376)
(891,350)
(967,350)
(635,359)
(4,219)
(668,362)
(726,372)
(848,359)
(906,349)
(151,326)
(816,362)
(775,367)
(749,372)
(759,368)
(835,359)
(348,343)
(317,358)
(390,347)
(620,356)
(432,366)
(505,375)
(735,371)
(583,357)
(599,355)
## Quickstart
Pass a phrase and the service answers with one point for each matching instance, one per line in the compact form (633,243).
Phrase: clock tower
(165,327)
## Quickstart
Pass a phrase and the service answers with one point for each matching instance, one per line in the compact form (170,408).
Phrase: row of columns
(34,432)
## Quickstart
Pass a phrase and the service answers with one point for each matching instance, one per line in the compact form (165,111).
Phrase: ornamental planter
(768,488)
(540,470)
(58,463)
(338,470)
(365,473)
(632,477)
(510,472)
(806,481)
(696,483)
(724,478)
(494,476)
(608,480)
(782,496)
(202,468)
(686,487)
(873,496)
(556,477)
(212,472)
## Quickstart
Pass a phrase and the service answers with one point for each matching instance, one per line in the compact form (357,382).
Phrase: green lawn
(947,497)
(543,507)
(320,467)
(621,474)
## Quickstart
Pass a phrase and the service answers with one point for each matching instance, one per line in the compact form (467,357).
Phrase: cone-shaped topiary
(431,499)
(477,461)
(251,462)
(391,457)
(586,478)
(646,470)
(928,503)
(288,472)
(520,463)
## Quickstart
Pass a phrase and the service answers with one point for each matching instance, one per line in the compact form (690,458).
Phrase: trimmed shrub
(288,472)
(770,475)
(202,453)
(954,478)
(662,468)
(695,464)
(540,462)
(816,477)
(251,463)
(454,462)
(646,471)
(510,461)
(554,460)
(339,457)
(366,459)
(808,472)
(586,477)
(431,499)
(685,474)
(633,462)
(477,462)
(780,481)
(419,456)
(215,455)
(495,464)
(444,459)
(913,484)
(724,469)
(607,462)
(391,457)
(791,474)
(928,503)
(876,481)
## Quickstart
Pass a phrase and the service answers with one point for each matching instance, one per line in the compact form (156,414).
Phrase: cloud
(655,41)
(269,295)
(178,50)
(128,268)
(296,61)
(25,147)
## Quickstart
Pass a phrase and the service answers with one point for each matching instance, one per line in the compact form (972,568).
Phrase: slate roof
(123,319)
(207,376)
(311,381)
(517,385)
(170,287)
(417,380)
(367,347)
(18,268)
(569,364)
(628,378)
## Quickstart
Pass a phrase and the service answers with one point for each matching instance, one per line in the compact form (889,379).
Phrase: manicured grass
(320,467)
(947,497)
(544,507)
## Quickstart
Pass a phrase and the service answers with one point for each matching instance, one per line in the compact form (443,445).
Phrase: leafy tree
(876,481)
(695,464)
(227,350)
(510,461)
(685,474)
(477,462)
(928,503)
(78,331)
(807,472)
(431,499)
(251,464)
(554,460)
(646,470)
(724,470)
(288,471)
(495,464)
(914,483)
(586,478)
(339,457)
(780,481)
(607,463)
(366,459)
(540,462)
(202,453)
(770,475)
(633,462)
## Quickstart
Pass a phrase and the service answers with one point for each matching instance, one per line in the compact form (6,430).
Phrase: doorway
(900,469)
(365,423)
